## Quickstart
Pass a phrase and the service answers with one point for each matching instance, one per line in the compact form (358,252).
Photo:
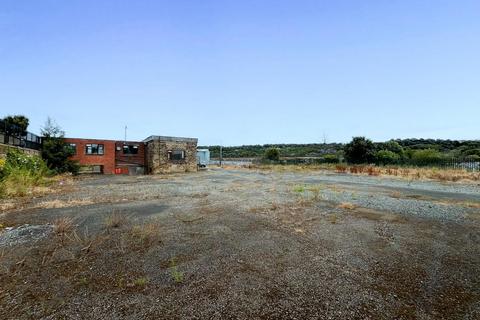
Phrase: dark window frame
(99,149)
(132,149)
(173,155)
(73,147)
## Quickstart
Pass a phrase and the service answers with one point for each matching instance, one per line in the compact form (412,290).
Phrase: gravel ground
(23,234)
(248,245)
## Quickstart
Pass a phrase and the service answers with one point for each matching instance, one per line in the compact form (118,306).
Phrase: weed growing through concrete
(140,282)
(177,275)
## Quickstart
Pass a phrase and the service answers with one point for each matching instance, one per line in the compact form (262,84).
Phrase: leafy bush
(18,182)
(17,160)
(272,154)
(20,172)
(386,157)
(426,157)
(360,150)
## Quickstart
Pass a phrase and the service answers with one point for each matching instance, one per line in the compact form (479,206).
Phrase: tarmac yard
(243,244)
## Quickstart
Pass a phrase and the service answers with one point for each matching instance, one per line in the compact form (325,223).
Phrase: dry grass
(53,204)
(63,225)
(449,175)
(7,205)
(115,220)
(332,218)
(291,167)
(146,234)
(346,206)
(396,194)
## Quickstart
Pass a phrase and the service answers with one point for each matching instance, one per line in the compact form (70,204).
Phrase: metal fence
(457,163)
(469,164)
(12,135)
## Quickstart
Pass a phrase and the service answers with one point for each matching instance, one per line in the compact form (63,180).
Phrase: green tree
(360,150)
(272,154)
(393,146)
(55,151)
(16,125)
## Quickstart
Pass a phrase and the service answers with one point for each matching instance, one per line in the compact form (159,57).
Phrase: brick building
(156,154)
(170,154)
(94,155)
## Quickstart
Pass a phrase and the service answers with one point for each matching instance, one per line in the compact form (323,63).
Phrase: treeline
(378,151)
(286,150)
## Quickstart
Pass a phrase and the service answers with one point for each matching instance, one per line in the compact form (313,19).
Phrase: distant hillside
(453,147)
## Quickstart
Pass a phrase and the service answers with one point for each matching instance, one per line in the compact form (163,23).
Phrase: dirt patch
(243,245)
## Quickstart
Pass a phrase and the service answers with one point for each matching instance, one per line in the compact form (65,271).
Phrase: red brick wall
(107,160)
(123,160)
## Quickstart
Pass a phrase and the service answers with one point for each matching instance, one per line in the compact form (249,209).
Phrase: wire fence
(469,164)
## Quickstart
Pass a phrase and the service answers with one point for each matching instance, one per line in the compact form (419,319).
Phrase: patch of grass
(114,220)
(140,282)
(55,204)
(19,183)
(299,189)
(146,234)
(83,281)
(315,190)
(177,275)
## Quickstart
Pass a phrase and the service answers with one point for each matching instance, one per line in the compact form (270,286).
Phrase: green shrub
(386,157)
(17,160)
(20,172)
(272,154)
(19,182)
(360,150)
(426,157)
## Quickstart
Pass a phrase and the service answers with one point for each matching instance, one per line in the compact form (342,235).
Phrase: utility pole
(125,134)
(324,138)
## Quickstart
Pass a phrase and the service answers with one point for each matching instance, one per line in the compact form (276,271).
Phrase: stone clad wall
(5,147)
(157,156)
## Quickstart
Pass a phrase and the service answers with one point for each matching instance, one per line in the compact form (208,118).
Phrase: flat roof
(100,140)
(165,138)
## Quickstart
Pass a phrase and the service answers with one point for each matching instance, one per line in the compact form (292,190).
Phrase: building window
(93,148)
(176,155)
(72,148)
(130,149)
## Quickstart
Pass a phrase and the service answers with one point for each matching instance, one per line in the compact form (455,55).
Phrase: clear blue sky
(244,72)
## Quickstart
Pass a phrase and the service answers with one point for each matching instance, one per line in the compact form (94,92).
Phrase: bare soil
(244,244)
